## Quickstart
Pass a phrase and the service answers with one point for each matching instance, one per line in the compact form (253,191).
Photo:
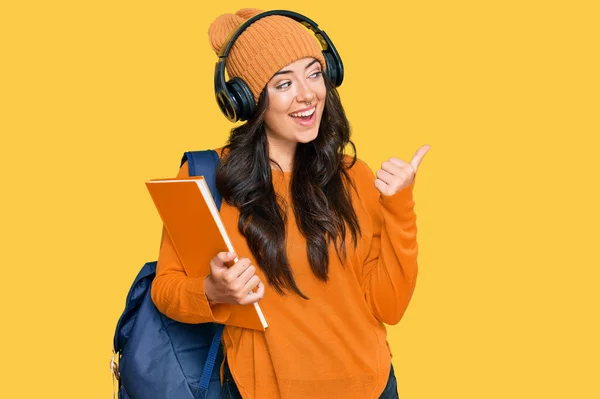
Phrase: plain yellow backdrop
(98,97)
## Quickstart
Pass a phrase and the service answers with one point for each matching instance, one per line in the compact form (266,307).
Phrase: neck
(282,152)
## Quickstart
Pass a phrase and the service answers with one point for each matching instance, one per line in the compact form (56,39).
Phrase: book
(191,218)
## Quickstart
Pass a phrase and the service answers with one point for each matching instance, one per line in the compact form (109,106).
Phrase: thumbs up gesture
(396,174)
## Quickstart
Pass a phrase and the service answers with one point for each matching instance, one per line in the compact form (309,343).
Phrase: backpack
(158,357)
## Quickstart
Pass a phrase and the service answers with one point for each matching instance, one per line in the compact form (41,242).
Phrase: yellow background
(97,97)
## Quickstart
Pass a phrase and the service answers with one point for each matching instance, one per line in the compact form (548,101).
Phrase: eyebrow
(306,67)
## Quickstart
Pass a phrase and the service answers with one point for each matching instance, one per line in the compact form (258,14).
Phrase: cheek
(273,120)
(277,111)
(281,101)
(319,88)
(322,91)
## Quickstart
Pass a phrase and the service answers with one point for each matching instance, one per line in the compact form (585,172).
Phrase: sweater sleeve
(390,268)
(177,295)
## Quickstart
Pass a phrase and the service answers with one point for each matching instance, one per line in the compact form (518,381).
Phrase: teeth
(303,114)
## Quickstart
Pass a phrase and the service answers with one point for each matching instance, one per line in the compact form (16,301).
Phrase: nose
(305,93)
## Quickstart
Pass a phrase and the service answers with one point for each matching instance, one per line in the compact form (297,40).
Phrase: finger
(405,168)
(418,157)
(251,285)
(247,275)
(381,186)
(260,292)
(238,269)
(384,176)
(398,162)
(390,167)
(255,296)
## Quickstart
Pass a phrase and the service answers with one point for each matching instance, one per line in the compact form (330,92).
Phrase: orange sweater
(333,345)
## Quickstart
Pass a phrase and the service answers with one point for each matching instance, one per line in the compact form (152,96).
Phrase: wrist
(209,291)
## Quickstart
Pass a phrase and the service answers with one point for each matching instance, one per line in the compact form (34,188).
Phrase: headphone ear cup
(242,96)
(334,70)
(228,108)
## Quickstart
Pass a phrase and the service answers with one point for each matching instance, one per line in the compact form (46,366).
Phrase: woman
(328,247)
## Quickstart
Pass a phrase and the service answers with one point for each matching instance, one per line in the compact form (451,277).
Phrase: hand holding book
(194,225)
(232,285)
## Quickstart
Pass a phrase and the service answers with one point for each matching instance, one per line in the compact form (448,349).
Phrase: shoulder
(363,180)
(359,171)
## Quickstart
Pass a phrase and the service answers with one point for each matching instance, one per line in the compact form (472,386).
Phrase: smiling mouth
(304,114)
(305,118)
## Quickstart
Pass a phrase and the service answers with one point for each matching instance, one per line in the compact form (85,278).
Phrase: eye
(284,85)
(316,74)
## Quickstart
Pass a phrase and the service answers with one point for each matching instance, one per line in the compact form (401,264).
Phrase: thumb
(221,260)
(418,157)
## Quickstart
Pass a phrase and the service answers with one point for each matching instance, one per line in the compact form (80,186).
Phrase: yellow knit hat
(264,47)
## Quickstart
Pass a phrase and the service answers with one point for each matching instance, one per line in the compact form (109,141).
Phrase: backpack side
(160,357)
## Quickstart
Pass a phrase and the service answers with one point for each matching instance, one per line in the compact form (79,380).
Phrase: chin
(308,136)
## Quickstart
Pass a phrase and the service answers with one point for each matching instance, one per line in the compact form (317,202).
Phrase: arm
(390,269)
(177,295)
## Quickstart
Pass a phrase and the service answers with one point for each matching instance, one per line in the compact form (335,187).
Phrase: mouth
(305,118)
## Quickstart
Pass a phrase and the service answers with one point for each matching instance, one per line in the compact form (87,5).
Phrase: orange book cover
(192,220)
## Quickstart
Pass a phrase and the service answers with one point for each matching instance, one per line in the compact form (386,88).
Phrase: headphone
(234,97)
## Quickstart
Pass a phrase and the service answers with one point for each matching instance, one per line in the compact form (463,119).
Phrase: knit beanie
(266,46)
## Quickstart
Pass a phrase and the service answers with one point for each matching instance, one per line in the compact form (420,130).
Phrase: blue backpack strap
(205,163)
(210,359)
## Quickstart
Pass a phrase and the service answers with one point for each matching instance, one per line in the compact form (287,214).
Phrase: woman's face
(296,102)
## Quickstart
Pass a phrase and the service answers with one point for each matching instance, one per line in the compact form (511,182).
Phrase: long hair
(320,192)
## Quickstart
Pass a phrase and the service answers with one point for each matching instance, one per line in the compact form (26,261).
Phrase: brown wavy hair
(320,192)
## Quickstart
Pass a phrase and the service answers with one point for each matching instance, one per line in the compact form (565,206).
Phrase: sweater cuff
(401,201)
(219,313)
